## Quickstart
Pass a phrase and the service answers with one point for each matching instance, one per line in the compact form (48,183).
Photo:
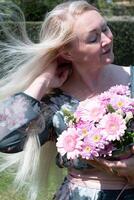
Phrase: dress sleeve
(17,114)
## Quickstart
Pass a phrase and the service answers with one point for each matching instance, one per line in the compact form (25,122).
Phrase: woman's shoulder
(120,73)
(120,68)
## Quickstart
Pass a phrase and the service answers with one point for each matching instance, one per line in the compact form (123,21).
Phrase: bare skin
(51,78)
(124,168)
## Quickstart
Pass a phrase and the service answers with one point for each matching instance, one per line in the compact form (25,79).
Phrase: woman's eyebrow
(92,30)
(95,29)
(88,33)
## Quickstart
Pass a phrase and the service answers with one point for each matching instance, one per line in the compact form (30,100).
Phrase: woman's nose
(106,39)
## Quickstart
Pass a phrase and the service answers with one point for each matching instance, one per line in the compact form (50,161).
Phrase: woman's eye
(92,38)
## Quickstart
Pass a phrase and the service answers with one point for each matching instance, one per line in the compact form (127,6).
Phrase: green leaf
(110,108)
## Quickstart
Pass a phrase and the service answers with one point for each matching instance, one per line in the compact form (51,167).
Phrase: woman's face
(93,45)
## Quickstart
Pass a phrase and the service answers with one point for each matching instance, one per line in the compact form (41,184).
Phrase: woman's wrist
(37,89)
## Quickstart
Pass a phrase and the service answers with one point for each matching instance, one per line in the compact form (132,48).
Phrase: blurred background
(35,10)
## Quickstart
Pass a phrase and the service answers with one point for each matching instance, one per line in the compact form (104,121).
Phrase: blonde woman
(72,62)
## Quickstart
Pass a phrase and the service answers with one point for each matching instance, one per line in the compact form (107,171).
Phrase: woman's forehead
(88,21)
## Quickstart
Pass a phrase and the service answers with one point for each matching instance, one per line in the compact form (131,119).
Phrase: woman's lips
(107,51)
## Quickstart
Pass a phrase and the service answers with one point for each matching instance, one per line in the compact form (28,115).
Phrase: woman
(72,62)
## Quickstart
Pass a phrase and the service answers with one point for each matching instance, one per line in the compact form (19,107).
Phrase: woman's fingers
(94,163)
(114,164)
(55,76)
(113,167)
(51,77)
(62,75)
(101,165)
(123,168)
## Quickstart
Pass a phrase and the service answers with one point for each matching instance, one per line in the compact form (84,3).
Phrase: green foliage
(69,116)
(33,29)
(110,108)
(35,10)
(123,41)
(122,10)
(112,8)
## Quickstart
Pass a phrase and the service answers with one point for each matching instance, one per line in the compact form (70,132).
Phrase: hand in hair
(52,77)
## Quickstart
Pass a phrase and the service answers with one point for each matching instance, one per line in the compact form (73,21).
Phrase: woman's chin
(110,59)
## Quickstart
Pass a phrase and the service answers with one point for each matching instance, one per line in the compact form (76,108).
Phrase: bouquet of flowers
(100,127)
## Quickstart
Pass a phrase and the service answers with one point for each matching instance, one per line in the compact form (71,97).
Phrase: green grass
(8,193)
(6,190)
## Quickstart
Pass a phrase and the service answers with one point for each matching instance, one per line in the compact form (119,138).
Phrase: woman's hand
(123,168)
(52,77)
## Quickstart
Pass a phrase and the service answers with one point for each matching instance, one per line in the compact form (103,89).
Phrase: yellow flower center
(120,103)
(87,149)
(96,138)
(84,132)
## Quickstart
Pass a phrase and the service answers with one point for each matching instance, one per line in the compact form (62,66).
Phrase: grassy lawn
(8,193)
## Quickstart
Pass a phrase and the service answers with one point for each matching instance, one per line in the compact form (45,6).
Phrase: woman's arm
(22,112)
(16,114)
(52,77)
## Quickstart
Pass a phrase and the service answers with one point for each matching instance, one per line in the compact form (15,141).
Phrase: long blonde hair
(25,61)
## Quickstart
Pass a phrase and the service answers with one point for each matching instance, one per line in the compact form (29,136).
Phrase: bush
(119,10)
(35,10)
(123,40)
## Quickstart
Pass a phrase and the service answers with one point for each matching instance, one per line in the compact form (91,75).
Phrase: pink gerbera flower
(120,102)
(104,98)
(92,144)
(69,143)
(120,90)
(90,110)
(88,151)
(113,126)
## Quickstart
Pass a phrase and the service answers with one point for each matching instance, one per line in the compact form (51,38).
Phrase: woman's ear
(66,54)
(62,61)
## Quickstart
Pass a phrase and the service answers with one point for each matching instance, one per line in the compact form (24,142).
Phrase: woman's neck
(83,85)
(89,85)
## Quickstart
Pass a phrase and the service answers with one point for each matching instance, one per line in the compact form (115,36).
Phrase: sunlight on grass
(7,192)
